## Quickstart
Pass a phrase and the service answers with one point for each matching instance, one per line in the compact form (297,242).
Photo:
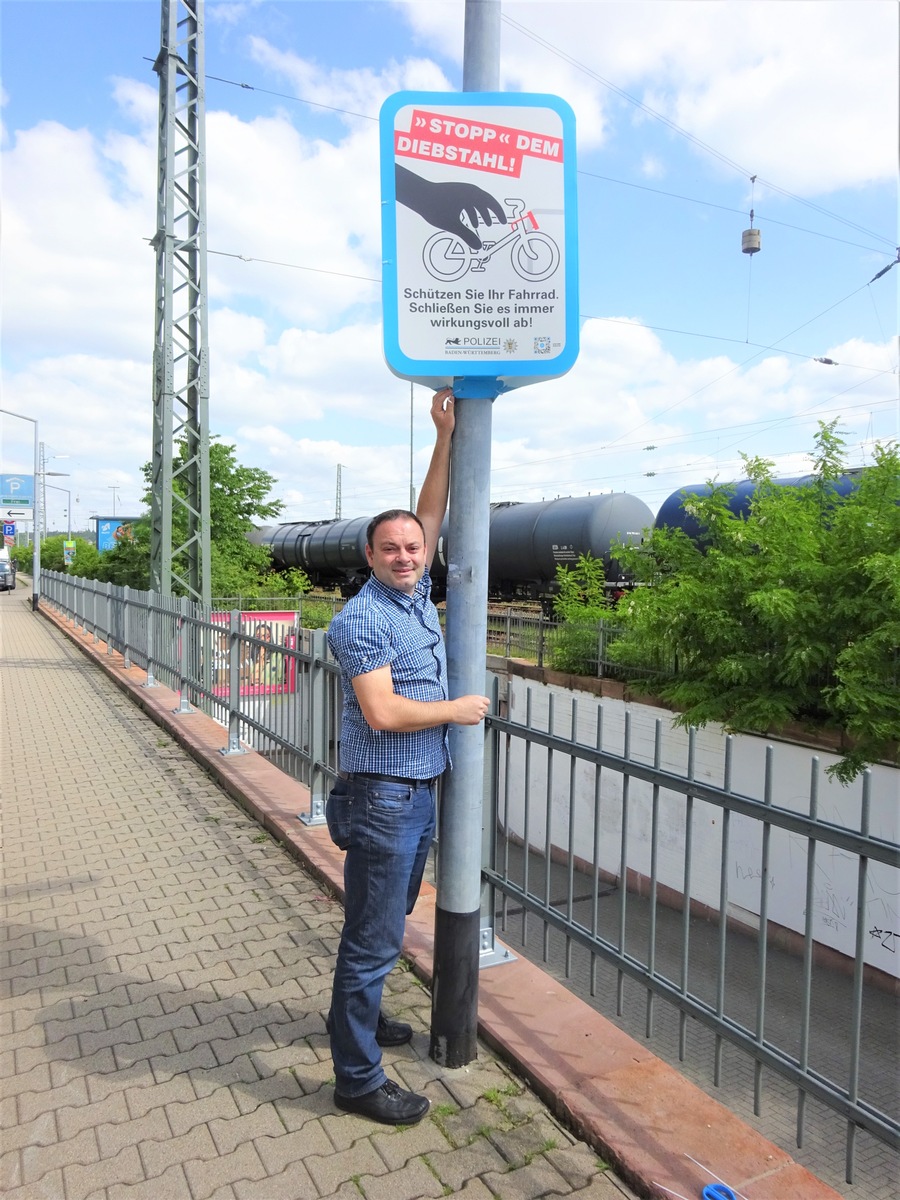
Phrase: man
(389,645)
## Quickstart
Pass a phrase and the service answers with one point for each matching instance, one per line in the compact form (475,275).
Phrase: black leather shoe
(389,1033)
(389,1104)
(392,1033)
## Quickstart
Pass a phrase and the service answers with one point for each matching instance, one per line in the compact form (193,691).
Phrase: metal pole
(180,545)
(66,491)
(43,492)
(234,685)
(457,942)
(412,486)
(35,512)
(481,46)
(319,785)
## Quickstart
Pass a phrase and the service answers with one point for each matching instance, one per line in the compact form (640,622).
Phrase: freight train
(673,515)
(527,543)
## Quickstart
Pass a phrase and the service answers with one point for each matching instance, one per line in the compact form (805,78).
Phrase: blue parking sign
(17,490)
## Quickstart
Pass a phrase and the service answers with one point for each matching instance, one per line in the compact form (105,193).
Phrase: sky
(689,113)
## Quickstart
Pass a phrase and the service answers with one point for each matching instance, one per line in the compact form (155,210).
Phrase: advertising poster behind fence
(112,530)
(479,236)
(264,669)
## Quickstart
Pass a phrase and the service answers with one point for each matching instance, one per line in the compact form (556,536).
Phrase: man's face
(397,555)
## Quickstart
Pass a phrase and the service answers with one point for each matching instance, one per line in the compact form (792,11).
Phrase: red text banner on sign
(481,146)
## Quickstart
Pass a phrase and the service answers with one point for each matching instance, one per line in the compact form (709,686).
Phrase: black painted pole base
(454,997)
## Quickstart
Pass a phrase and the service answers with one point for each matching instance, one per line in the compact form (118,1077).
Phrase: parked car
(7,575)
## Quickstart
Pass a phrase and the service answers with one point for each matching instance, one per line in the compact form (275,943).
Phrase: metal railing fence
(314,609)
(281,699)
(566,857)
(512,632)
(623,853)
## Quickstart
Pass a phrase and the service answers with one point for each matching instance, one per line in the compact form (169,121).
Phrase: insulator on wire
(750,237)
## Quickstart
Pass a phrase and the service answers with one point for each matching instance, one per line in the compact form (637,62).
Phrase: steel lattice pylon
(180,539)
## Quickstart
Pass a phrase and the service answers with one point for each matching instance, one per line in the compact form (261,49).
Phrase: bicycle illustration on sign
(534,254)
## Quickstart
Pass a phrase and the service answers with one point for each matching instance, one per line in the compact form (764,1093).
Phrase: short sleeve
(360,641)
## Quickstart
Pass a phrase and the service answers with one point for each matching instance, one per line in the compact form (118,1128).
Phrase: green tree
(579,605)
(789,613)
(238,499)
(238,496)
(127,564)
(86,561)
(23,557)
(53,555)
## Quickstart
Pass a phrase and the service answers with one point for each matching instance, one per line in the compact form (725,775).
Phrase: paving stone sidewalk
(165,971)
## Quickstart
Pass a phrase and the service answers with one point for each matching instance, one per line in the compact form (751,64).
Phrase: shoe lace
(391,1089)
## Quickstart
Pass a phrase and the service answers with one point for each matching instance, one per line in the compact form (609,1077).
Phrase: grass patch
(548,1144)
(445,1110)
(496,1096)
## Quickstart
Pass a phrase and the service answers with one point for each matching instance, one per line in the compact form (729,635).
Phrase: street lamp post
(35,510)
(44,485)
(114,488)
(68,493)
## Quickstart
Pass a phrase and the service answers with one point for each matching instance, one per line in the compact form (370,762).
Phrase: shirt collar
(403,599)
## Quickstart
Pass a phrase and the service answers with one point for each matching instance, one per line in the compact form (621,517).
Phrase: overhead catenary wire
(871,372)
(605,178)
(724,158)
(750,246)
(699,463)
(643,187)
(713,337)
(273,262)
(737,366)
(693,436)
(676,128)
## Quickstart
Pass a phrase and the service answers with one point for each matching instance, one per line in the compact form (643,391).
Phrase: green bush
(316,614)
(789,613)
(579,605)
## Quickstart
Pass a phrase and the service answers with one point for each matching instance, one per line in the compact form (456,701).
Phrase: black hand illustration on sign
(442,205)
(534,255)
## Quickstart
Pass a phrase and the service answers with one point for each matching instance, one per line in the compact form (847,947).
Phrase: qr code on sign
(542,345)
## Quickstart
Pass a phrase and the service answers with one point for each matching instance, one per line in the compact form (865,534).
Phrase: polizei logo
(463,346)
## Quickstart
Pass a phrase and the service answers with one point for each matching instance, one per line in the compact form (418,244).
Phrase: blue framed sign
(112,530)
(17,490)
(479,236)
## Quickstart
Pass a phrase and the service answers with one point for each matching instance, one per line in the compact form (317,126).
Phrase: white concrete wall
(836,872)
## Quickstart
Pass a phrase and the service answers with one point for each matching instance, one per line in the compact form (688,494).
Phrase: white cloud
(804,94)
(350,93)
(73,250)
(277,196)
(297,378)
(652,167)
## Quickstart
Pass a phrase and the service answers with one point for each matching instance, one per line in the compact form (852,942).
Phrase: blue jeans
(386,830)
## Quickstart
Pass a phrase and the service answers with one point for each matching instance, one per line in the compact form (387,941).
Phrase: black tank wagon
(527,543)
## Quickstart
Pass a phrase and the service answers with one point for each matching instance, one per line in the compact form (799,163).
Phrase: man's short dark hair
(392,514)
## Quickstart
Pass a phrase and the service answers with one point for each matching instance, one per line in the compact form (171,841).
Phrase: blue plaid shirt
(380,627)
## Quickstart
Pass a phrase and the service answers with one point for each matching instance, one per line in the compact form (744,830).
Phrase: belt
(401,779)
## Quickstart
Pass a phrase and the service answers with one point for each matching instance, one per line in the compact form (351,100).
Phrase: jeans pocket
(337,815)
